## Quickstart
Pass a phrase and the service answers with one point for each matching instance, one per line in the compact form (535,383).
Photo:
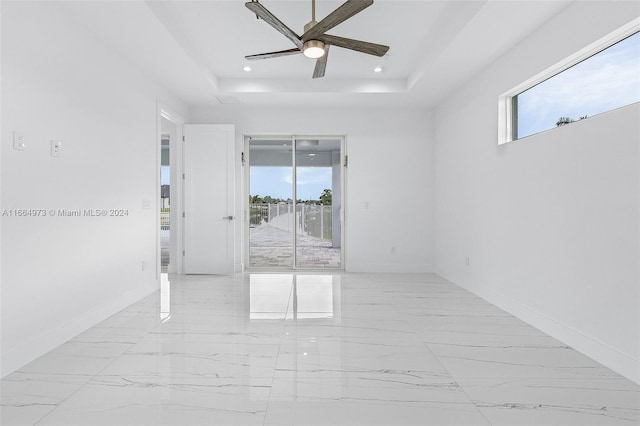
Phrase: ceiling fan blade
(273,54)
(270,19)
(321,63)
(341,14)
(357,45)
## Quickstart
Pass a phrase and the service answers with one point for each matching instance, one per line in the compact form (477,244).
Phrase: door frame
(246,191)
(176,190)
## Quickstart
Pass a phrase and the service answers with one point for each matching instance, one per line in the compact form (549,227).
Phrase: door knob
(228,217)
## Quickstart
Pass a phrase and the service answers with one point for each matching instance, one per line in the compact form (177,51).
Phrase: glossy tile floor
(350,349)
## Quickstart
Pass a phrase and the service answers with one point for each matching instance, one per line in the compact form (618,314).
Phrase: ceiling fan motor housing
(309,25)
(313,49)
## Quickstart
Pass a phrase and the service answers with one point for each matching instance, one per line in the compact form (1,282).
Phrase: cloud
(314,175)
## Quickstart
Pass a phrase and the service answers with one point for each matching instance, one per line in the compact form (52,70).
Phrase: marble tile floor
(315,349)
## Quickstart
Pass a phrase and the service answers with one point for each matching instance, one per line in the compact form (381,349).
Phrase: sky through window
(605,81)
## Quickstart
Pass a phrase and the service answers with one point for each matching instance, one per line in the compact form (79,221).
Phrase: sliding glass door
(271,206)
(294,215)
(318,203)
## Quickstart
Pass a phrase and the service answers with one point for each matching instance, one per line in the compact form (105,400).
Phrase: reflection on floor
(282,349)
(273,247)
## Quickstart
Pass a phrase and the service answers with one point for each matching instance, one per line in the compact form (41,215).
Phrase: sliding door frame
(246,161)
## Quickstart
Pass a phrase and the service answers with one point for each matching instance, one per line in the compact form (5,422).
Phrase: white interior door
(209,208)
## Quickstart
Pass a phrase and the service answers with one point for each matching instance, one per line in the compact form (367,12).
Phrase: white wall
(550,222)
(61,275)
(390,167)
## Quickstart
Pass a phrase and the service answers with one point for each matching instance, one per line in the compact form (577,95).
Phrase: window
(602,77)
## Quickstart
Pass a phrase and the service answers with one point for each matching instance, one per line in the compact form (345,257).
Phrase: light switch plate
(18,141)
(55,148)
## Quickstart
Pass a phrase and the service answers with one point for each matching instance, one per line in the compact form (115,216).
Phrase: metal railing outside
(165,233)
(313,220)
(165,222)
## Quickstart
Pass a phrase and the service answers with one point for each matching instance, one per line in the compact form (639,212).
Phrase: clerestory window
(590,84)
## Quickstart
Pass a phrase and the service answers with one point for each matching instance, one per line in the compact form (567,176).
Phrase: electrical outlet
(466,261)
(144,265)
(55,148)
(393,249)
(18,141)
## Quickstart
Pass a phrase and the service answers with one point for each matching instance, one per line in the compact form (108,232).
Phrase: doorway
(169,229)
(165,198)
(295,197)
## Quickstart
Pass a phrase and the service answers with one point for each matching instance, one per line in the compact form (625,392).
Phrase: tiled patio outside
(272,247)
(164,251)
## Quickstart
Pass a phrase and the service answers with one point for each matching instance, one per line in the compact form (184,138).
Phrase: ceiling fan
(315,42)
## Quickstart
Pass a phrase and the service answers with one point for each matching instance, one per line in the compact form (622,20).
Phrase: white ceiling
(196,49)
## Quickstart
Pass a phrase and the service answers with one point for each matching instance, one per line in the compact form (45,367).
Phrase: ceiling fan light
(313,49)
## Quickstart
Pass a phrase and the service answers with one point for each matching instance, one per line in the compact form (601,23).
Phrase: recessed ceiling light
(377,69)
(247,68)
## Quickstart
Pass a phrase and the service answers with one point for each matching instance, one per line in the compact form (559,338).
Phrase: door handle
(229,217)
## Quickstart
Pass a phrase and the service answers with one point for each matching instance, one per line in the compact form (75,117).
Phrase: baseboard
(395,268)
(39,345)
(623,364)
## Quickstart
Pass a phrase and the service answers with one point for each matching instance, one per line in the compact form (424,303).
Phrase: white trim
(343,206)
(48,340)
(175,150)
(504,101)
(623,364)
(294,203)
(390,268)
(170,115)
(244,203)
